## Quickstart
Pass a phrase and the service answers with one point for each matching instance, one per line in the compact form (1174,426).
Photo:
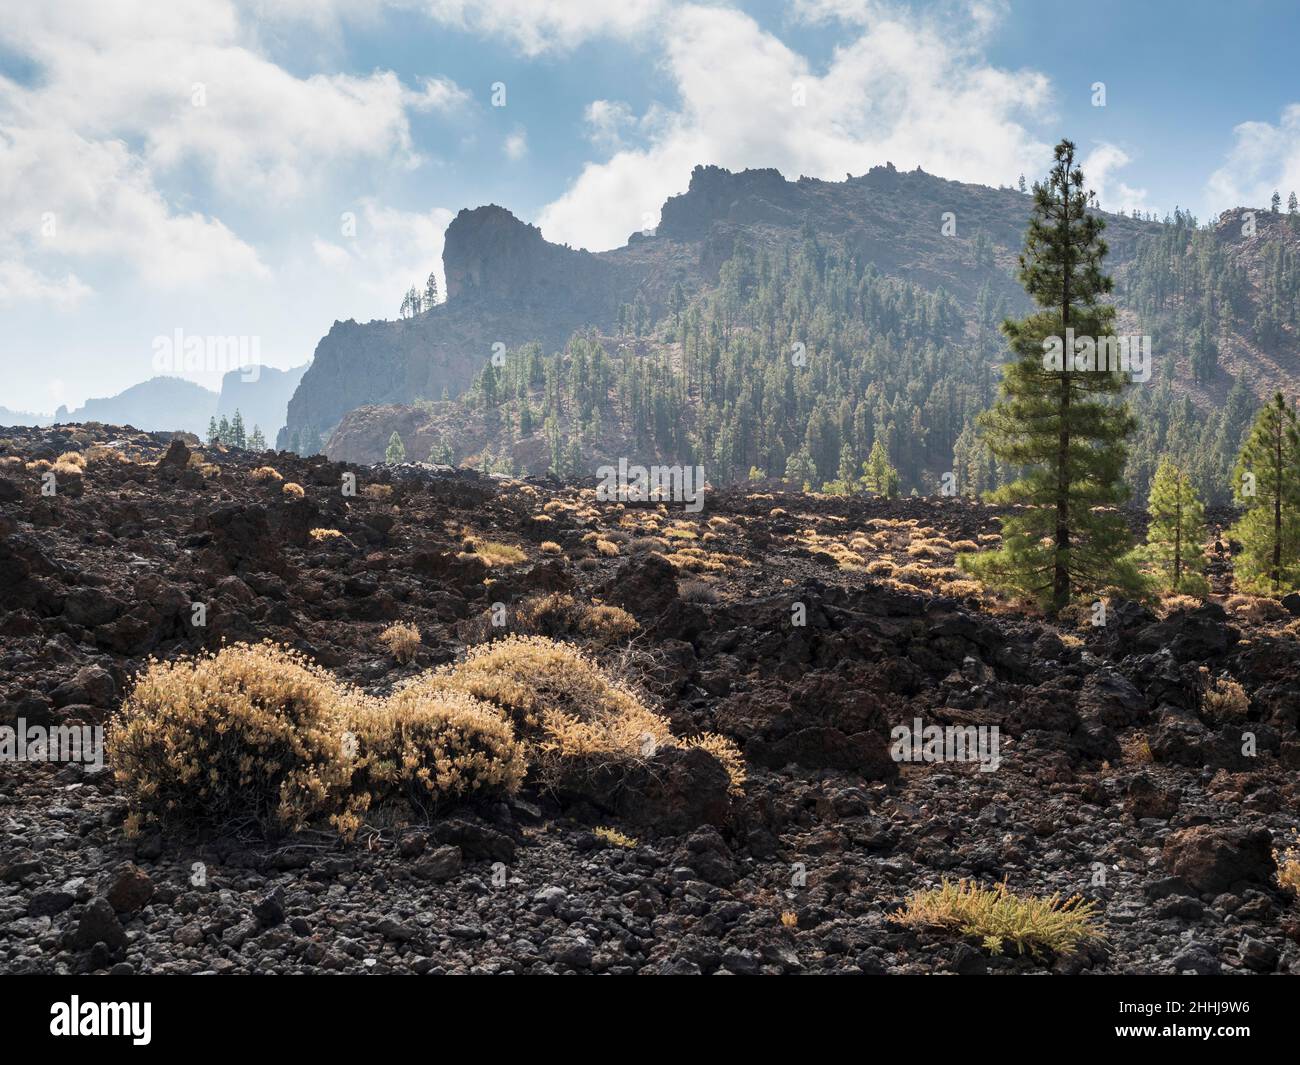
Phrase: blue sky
(193,165)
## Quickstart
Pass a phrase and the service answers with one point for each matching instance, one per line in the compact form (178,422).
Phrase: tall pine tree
(1062,425)
(1267,485)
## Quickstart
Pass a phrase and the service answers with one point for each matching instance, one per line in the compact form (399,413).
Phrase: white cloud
(1112,194)
(902,89)
(555,25)
(392,250)
(1264,158)
(516,145)
(605,120)
(110,123)
(21,284)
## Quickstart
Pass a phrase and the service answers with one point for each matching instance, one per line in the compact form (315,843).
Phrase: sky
(180,169)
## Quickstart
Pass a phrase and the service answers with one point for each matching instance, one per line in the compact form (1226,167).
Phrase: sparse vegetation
(433,748)
(402,640)
(614,837)
(1000,919)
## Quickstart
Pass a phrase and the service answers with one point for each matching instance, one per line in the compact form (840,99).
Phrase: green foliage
(1267,485)
(1060,425)
(396,450)
(1175,532)
(878,474)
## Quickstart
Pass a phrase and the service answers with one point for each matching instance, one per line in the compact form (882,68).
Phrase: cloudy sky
(258,169)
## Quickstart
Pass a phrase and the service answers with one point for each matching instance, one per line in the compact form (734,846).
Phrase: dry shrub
(697,592)
(1256,608)
(402,641)
(996,917)
(251,735)
(960,589)
(614,837)
(648,543)
(1225,699)
(292,490)
(266,473)
(432,748)
(1171,604)
(496,554)
(73,460)
(725,751)
(323,535)
(1288,864)
(925,550)
(558,615)
(378,493)
(880,567)
(98,453)
(607,548)
(550,547)
(965,545)
(574,716)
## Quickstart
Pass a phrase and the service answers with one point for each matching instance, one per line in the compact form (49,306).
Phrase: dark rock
(1212,858)
(131,889)
(98,923)
(438,865)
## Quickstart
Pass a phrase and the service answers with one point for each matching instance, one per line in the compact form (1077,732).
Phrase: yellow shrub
(72,460)
(996,917)
(726,752)
(614,837)
(550,547)
(266,473)
(1226,699)
(559,614)
(321,535)
(432,748)
(607,548)
(497,554)
(378,492)
(880,567)
(293,491)
(1288,865)
(402,641)
(250,735)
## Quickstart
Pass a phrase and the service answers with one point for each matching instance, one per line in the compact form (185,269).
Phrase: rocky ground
(804,628)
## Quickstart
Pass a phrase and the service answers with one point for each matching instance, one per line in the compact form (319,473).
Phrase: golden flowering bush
(253,734)
(402,640)
(431,748)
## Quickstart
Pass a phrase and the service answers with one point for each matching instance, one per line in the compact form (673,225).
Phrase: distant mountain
(161,403)
(261,401)
(172,403)
(23,417)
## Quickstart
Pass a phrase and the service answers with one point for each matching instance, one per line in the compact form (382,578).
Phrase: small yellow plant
(292,490)
(266,473)
(322,535)
(607,548)
(789,919)
(550,547)
(378,493)
(402,641)
(1226,699)
(614,837)
(725,751)
(1288,864)
(497,554)
(996,917)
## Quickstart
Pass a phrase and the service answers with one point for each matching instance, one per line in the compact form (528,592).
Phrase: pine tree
(1058,420)
(800,470)
(848,467)
(1275,202)
(1175,531)
(1292,206)
(214,434)
(396,451)
(877,474)
(256,441)
(237,436)
(431,292)
(223,431)
(1267,485)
